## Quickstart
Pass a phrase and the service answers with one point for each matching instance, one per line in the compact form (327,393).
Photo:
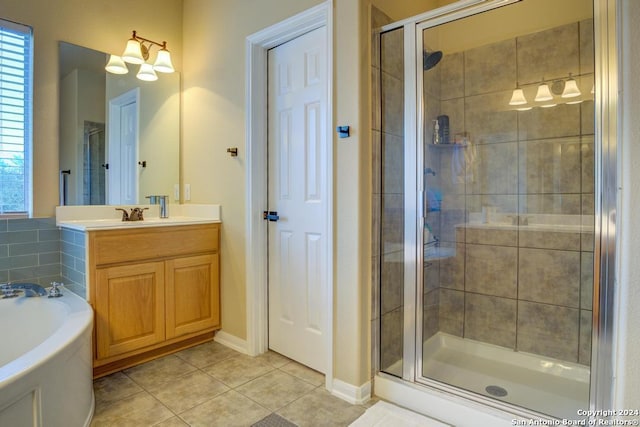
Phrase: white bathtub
(45,361)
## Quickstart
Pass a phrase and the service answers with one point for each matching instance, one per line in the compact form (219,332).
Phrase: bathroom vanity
(154,286)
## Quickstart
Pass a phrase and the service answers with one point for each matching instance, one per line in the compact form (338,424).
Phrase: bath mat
(385,414)
(274,420)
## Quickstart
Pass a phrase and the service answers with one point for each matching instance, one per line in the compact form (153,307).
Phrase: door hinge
(271,216)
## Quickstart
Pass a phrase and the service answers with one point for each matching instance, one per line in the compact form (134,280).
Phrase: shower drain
(496,391)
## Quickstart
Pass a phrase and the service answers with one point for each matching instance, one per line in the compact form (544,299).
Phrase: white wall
(213,120)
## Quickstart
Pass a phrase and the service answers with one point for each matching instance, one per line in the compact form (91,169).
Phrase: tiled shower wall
(518,288)
(388,195)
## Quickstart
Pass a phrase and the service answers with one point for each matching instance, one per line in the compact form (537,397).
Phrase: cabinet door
(193,294)
(129,307)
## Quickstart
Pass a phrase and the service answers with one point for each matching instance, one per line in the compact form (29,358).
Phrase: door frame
(257,46)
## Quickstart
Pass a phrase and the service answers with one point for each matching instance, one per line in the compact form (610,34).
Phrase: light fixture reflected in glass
(517,98)
(571,89)
(544,93)
(116,65)
(146,73)
(524,108)
(548,105)
(575,102)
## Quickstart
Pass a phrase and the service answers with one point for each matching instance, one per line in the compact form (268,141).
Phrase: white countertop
(87,218)
(106,224)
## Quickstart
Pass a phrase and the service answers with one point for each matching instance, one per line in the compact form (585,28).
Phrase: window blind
(16,80)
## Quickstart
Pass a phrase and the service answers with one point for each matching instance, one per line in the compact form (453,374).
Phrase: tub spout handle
(54,290)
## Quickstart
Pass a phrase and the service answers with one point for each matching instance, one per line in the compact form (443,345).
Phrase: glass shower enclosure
(486,201)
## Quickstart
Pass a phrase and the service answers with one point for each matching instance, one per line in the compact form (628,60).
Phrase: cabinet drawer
(137,244)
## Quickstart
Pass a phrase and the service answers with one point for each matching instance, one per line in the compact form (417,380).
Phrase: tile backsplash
(29,250)
(32,250)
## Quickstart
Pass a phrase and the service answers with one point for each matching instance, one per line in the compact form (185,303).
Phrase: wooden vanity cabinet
(154,290)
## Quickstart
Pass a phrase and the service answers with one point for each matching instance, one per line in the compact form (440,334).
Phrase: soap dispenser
(436,132)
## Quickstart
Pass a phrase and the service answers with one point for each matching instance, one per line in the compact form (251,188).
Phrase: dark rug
(274,420)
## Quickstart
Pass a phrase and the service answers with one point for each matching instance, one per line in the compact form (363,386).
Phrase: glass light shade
(544,93)
(517,98)
(133,52)
(571,89)
(146,73)
(116,65)
(163,62)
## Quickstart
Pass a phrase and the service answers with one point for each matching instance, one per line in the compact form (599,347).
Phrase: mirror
(119,136)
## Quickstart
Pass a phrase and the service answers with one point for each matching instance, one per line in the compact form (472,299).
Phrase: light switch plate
(176,192)
(187,192)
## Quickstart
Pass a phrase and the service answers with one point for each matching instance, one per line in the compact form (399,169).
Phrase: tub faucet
(10,290)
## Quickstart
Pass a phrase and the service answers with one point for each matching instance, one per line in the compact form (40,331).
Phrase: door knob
(270,216)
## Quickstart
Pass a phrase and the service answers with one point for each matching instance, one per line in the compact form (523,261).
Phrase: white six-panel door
(297,168)
(123,169)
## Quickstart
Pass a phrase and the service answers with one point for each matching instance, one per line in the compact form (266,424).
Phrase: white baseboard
(350,393)
(231,341)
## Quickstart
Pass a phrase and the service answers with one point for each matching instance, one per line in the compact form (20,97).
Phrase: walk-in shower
(485,203)
(94,164)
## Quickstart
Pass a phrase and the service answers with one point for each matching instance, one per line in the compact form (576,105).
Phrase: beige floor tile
(319,408)
(114,387)
(274,359)
(206,354)
(304,373)
(227,410)
(187,391)
(159,371)
(172,422)
(238,370)
(141,409)
(275,389)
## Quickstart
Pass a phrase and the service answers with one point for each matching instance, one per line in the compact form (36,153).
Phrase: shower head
(431,59)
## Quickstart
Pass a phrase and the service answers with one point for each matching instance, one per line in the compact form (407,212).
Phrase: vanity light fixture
(137,52)
(517,98)
(571,89)
(544,93)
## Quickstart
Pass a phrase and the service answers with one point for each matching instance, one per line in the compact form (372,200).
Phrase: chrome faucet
(135,215)
(162,201)
(11,290)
